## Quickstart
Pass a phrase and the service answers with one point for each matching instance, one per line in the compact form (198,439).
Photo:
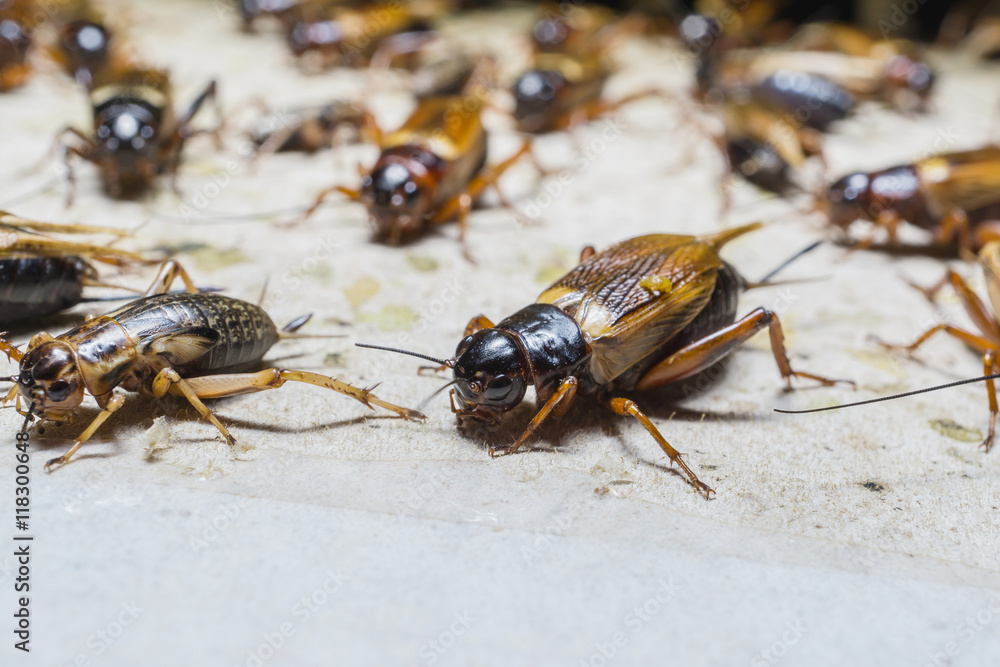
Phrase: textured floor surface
(338,536)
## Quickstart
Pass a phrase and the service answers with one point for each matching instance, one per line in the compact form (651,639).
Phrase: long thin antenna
(889,398)
(443,362)
(784,265)
(423,403)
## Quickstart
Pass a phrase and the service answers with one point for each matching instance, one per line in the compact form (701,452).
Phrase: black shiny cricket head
(535,95)
(910,82)
(491,375)
(308,35)
(864,196)
(15,41)
(848,199)
(50,379)
(85,45)
(126,134)
(399,192)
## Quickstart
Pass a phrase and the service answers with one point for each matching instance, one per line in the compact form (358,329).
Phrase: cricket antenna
(423,403)
(784,265)
(894,396)
(444,362)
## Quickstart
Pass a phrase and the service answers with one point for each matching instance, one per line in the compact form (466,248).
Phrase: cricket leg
(487,177)
(115,402)
(980,344)
(221,386)
(557,404)
(322,197)
(931,292)
(977,311)
(626,407)
(477,323)
(170,271)
(702,354)
(990,366)
(11,350)
(169,380)
(985,232)
(955,223)
(889,220)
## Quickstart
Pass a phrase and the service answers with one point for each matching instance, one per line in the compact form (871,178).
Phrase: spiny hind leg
(115,402)
(704,353)
(220,386)
(626,407)
(12,351)
(170,271)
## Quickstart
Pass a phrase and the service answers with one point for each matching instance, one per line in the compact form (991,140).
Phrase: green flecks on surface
(334,360)
(956,431)
(392,318)
(210,258)
(422,263)
(361,290)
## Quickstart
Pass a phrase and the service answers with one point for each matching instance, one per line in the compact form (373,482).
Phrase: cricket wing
(969,180)
(635,296)
(447,126)
(181,346)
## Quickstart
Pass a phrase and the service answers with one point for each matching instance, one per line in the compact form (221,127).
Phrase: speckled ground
(338,536)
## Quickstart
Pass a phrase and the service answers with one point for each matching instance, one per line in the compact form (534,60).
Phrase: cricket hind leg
(221,386)
(628,408)
(170,271)
(705,352)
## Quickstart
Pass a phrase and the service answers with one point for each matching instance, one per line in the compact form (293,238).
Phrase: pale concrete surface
(350,538)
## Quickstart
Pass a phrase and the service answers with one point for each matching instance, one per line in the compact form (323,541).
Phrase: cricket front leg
(322,197)
(486,178)
(220,386)
(115,402)
(558,404)
(955,224)
(702,354)
(477,323)
(626,407)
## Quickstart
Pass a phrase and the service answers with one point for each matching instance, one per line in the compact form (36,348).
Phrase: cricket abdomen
(35,286)
(245,331)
